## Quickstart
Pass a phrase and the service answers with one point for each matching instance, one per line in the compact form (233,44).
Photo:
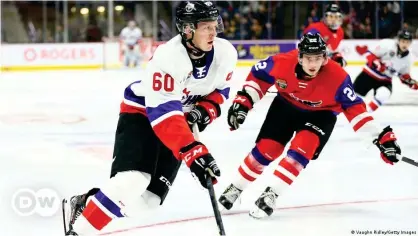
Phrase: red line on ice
(246,212)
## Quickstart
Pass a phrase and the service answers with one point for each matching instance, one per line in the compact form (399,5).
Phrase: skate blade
(221,208)
(64,202)
(258,214)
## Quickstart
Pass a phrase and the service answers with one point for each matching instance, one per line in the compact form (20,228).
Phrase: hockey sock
(373,105)
(254,163)
(301,151)
(117,198)
(288,170)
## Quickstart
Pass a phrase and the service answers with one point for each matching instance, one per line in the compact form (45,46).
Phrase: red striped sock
(96,215)
(250,169)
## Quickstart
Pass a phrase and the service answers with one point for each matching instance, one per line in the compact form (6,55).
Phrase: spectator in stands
(348,31)
(93,33)
(312,18)
(59,34)
(385,23)
(300,31)
(32,32)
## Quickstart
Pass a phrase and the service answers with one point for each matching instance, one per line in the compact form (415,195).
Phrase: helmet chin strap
(192,49)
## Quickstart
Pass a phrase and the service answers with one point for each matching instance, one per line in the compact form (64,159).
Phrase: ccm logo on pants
(315,128)
(165,181)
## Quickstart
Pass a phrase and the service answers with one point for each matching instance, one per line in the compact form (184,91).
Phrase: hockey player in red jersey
(312,90)
(390,58)
(331,31)
(183,85)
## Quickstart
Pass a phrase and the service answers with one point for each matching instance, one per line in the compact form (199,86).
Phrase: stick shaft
(211,190)
(408,160)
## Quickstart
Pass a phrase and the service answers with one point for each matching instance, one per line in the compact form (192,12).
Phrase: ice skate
(264,206)
(72,209)
(228,197)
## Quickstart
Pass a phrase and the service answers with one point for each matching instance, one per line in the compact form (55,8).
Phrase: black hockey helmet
(333,9)
(189,13)
(405,34)
(312,43)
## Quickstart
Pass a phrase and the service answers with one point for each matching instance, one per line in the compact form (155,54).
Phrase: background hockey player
(391,58)
(130,37)
(312,90)
(190,73)
(331,31)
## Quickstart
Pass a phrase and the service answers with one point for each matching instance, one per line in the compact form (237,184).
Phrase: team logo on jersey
(188,99)
(201,72)
(281,83)
(185,93)
(391,53)
(307,102)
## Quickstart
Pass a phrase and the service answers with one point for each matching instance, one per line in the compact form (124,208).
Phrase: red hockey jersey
(331,89)
(331,37)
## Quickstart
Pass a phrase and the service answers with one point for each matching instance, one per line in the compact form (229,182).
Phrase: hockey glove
(377,65)
(203,114)
(407,80)
(200,162)
(239,109)
(386,142)
(337,57)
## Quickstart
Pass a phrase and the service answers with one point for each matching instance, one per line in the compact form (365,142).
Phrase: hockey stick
(211,190)
(408,160)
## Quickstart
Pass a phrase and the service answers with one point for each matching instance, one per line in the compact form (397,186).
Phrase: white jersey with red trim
(131,36)
(387,52)
(172,86)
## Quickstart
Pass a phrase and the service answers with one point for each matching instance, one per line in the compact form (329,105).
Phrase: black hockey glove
(203,114)
(200,162)
(337,57)
(239,109)
(386,142)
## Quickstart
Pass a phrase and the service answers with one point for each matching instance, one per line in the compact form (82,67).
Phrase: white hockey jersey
(131,36)
(387,52)
(172,86)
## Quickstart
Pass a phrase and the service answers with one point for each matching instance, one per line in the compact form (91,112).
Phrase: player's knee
(130,180)
(382,94)
(303,147)
(124,190)
(266,151)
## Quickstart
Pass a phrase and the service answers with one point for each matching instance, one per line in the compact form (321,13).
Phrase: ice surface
(57,131)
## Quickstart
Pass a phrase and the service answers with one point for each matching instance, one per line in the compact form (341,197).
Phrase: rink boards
(108,55)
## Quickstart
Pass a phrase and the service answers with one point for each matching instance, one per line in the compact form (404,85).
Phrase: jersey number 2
(159,81)
(350,93)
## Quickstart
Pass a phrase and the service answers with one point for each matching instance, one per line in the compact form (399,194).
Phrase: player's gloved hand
(386,142)
(407,80)
(239,109)
(203,114)
(200,162)
(337,57)
(378,65)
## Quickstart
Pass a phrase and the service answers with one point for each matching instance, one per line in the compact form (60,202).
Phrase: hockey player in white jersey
(390,58)
(130,37)
(186,82)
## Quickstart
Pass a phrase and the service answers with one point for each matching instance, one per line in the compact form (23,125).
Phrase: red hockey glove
(386,142)
(378,65)
(407,80)
(200,162)
(239,109)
